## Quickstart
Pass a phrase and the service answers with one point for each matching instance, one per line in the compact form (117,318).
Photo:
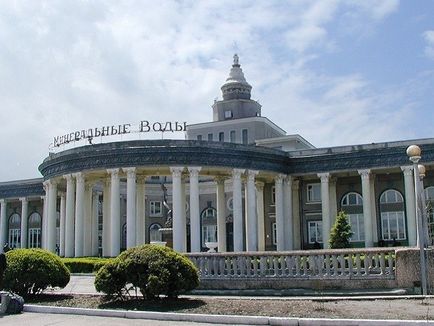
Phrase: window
(228,114)
(357,227)
(221,136)
(14,239)
(35,222)
(208,219)
(393,226)
(230,204)
(209,137)
(391,196)
(155,208)
(232,136)
(273,195)
(274,230)
(352,199)
(154,232)
(314,231)
(313,192)
(429,193)
(244,137)
(199,137)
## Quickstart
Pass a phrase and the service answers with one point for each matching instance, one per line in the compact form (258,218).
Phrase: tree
(341,232)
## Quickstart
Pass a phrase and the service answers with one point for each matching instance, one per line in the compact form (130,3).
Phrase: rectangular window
(34,238)
(313,192)
(393,226)
(221,136)
(273,195)
(228,114)
(209,137)
(155,208)
(314,231)
(357,227)
(14,238)
(274,234)
(199,137)
(244,136)
(232,136)
(209,233)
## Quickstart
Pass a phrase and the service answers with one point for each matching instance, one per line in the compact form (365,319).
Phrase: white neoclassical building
(239,182)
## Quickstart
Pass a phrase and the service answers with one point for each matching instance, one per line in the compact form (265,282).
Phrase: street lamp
(414,152)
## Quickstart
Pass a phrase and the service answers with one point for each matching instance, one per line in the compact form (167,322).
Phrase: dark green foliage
(85,265)
(341,232)
(153,270)
(30,271)
(2,268)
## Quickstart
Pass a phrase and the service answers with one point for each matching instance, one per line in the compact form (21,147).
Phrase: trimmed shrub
(30,271)
(153,270)
(85,265)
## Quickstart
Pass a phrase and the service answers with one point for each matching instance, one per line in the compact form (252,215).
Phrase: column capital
(79,176)
(68,177)
(62,194)
(176,171)
(236,173)
(131,172)
(3,201)
(260,185)
(113,172)
(365,173)
(325,177)
(407,170)
(194,170)
(23,199)
(288,179)
(295,184)
(141,179)
(220,180)
(278,179)
(251,174)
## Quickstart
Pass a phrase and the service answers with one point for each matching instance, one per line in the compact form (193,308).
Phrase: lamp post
(413,153)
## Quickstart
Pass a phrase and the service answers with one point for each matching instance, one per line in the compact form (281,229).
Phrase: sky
(335,72)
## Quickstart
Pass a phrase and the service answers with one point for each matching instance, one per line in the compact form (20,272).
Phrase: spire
(236,86)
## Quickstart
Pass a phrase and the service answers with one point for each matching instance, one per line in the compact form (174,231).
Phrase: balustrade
(322,264)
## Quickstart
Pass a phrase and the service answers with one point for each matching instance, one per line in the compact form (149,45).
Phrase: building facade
(239,183)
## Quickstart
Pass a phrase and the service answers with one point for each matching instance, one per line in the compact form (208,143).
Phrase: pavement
(36,315)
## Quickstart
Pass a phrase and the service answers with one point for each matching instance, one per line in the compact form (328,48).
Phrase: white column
(237,210)
(131,206)
(115,213)
(44,232)
(183,212)
(140,210)
(62,224)
(221,216)
(374,210)
(24,222)
(296,214)
(251,217)
(280,220)
(95,216)
(287,212)
(179,235)
(52,216)
(410,204)
(3,224)
(325,208)
(194,209)
(106,245)
(260,214)
(69,216)
(87,234)
(79,215)
(367,209)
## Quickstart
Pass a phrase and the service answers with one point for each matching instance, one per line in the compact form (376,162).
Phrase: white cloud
(69,65)
(429,47)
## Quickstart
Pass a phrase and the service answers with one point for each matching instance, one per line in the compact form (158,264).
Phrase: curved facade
(238,183)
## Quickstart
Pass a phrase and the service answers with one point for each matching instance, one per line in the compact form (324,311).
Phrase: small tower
(236,103)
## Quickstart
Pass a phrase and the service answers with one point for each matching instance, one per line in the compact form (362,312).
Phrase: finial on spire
(236,60)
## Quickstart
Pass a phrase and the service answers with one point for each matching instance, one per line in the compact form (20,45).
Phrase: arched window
(35,222)
(392,215)
(14,231)
(352,205)
(429,193)
(208,219)
(154,232)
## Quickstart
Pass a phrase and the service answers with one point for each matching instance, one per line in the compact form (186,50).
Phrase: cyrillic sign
(144,126)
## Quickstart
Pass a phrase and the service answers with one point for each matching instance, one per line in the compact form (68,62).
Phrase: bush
(84,265)
(341,232)
(30,271)
(153,270)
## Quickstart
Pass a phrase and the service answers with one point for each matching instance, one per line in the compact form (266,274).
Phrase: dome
(236,86)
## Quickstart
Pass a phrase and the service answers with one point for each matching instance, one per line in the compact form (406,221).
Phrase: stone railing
(364,263)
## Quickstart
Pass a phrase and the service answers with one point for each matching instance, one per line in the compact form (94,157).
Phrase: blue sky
(335,72)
